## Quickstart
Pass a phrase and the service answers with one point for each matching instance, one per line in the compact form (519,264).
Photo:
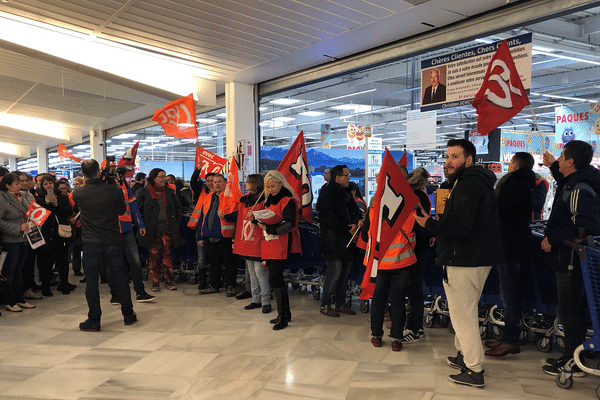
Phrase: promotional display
(580,122)
(454,79)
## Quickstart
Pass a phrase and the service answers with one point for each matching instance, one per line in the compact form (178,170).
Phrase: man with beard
(468,237)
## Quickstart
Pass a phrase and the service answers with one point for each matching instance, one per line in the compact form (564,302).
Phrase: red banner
(501,95)
(208,162)
(403,160)
(394,202)
(64,153)
(178,118)
(37,214)
(229,199)
(294,168)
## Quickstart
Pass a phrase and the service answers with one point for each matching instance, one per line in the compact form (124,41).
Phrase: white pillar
(42,159)
(241,124)
(97,145)
(12,164)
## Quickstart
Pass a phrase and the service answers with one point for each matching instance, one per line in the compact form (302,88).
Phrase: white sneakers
(26,305)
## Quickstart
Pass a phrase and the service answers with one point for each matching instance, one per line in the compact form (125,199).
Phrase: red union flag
(178,118)
(229,199)
(501,95)
(294,168)
(394,202)
(37,214)
(208,162)
(403,160)
(64,153)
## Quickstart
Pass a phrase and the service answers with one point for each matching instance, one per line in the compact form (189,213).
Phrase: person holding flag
(13,225)
(281,238)
(393,277)
(469,243)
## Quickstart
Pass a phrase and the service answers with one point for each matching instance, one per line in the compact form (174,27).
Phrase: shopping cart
(589,256)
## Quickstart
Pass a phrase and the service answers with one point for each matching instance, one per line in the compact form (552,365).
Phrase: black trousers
(219,254)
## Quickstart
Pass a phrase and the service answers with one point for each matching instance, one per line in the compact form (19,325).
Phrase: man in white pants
(468,237)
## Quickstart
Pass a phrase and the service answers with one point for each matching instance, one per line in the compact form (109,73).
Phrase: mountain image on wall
(317,158)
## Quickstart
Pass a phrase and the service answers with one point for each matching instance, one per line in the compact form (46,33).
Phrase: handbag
(64,230)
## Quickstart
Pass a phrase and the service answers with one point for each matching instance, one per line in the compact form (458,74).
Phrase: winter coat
(149,208)
(469,230)
(514,194)
(337,210)
(12,216)
(572,200)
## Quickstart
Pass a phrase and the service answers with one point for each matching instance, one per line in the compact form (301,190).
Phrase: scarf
(155,192)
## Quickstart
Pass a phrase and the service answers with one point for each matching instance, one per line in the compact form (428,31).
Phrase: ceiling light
(568,57)
(312,113)
(354,107)
(264,123)
(34,125)
(284,102)
(186,125)
(125,136)
(263,108)
(207,120)
(540,48)
(484,41)
(283,119)
(553,96)
(222,115)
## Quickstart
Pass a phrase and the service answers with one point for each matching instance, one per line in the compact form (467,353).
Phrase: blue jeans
(111,255)
(392,285)
(13,272)
(259,282)
(571,308)
(336,281)
(132,256)
(509,278)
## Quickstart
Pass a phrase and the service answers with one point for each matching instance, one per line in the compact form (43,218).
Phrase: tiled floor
(187,346)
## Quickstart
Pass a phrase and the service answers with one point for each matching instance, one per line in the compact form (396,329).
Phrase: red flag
(393,204)
(178,118)
(37,214)
(403,160)
(294,168)
(208,162)
(64,153)
(128,159)
(229,199)
(501,95)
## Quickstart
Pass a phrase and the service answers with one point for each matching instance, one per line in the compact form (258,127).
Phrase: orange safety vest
(127,216)
(227,228)
(277,248)
(248,236)
(401,252)
(197,213)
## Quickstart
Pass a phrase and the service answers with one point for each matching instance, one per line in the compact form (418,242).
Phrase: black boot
(281,320)
(286,304)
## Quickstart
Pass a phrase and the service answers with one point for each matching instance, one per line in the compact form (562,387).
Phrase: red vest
(248,236)
(277,248)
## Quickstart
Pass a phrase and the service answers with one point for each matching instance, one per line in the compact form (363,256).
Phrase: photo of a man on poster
(436,91)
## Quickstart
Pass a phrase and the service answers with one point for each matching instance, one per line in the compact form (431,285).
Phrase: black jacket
(100,206)
(469,230)
(337,210)
(149,209)
(62,211)
(580,203)
(514,194)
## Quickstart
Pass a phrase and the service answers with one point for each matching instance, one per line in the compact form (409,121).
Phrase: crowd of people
(485,224)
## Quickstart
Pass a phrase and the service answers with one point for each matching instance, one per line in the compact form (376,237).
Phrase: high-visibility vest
(401,252)
(277,248)
(197,213)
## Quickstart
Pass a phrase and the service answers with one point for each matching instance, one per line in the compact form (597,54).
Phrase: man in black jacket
(514,192)
(100,205)
(575,214)
(468,237)
(338,220)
